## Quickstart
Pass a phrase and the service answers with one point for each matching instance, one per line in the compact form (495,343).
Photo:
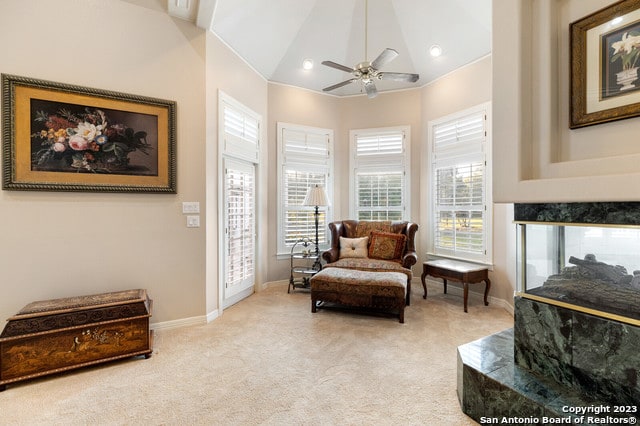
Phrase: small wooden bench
(455,270)
(363,289)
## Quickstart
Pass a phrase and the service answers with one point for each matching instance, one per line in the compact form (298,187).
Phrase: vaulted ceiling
(275,36)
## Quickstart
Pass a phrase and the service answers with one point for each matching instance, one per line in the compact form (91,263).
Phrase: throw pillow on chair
(353,247)
(386,245)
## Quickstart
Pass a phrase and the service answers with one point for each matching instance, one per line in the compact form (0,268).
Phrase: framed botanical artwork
(59,137)
(605,58)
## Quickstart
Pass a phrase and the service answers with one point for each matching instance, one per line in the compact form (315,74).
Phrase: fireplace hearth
(576,335)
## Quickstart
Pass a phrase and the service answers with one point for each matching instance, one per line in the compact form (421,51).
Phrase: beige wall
(68,244)
(542,159)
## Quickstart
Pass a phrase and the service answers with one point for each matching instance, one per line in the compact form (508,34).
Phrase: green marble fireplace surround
(559,363)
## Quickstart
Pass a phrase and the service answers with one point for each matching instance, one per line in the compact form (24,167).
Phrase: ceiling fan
(368,72)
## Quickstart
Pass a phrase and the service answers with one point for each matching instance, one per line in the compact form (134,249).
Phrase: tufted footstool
(363,289)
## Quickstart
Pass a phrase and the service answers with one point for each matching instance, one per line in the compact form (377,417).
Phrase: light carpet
(269,361)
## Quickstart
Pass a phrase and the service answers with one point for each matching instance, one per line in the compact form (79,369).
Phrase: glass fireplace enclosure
(593,268)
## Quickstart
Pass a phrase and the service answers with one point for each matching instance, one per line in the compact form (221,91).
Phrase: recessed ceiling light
(307,64)
(435,50)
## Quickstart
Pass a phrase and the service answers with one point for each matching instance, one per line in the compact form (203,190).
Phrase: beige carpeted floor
(269,361)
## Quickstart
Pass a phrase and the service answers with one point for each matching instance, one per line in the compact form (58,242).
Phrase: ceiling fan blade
(384,58)
(371,90)
(399,76)
(338,66)
(335,86)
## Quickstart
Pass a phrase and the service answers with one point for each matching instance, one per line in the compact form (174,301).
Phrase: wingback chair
(350,229)
(399,236)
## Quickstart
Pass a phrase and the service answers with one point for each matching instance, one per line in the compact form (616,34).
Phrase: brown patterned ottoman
(362,289)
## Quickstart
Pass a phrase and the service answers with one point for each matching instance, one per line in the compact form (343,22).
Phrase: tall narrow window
(461,192)
(304,159)
(379,178)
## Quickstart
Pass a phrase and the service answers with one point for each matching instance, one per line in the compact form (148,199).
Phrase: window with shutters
(305,158)
(241,132)
(239,149)
(380,174)
(460,180)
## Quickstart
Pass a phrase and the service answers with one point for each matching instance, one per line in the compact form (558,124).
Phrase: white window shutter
(380,174)
(241,134)
(305,160)
(459,186)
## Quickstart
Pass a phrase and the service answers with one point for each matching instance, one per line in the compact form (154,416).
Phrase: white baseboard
(184,322)
(212,315)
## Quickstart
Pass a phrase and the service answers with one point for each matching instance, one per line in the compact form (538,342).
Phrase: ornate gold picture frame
(605,59)
(60,137)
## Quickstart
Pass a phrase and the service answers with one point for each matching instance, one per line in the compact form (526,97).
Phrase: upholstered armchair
(350,229)
(373,246)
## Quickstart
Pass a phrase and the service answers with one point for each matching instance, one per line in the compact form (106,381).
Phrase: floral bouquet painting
(76,138)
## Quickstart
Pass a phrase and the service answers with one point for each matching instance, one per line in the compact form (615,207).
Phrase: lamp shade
(316,197)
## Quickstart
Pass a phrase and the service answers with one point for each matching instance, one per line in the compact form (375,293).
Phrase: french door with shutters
(239,228)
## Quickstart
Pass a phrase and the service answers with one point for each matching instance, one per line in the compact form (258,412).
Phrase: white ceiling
(275,36)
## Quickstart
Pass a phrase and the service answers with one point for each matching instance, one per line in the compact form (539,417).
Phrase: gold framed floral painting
(60,137)
(605,59)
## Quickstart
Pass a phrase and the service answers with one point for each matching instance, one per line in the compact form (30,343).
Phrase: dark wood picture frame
(61,137)
(597,56)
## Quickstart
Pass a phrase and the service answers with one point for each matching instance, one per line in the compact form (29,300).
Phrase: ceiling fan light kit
(367,72)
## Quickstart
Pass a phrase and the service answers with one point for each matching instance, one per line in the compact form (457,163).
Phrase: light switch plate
(193,221)
(191,207)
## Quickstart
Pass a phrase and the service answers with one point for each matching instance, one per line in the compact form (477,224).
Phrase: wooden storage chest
(56,335)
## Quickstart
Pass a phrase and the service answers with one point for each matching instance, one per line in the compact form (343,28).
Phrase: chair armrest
(409,259)
(331,255)
(336,229)
(410,256)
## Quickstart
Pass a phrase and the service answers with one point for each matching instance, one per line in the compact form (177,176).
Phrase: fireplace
(582,256)
(576,335)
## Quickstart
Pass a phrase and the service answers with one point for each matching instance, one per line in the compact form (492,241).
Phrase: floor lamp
(316,197)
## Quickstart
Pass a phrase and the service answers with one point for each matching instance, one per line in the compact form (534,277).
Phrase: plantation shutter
(379,175)
(306,162)
(240,218)
(241,134)
(459,179)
